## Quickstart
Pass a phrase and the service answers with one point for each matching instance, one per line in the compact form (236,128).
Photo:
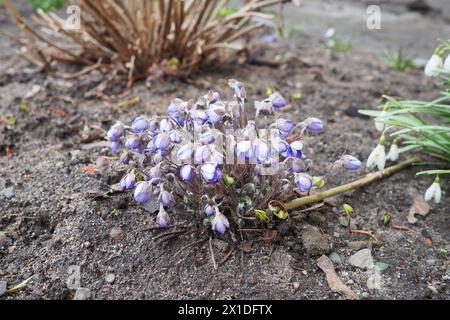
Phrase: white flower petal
(434,66)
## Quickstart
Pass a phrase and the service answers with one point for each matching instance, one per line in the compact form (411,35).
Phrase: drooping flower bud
(211,173)
(303,182)
(128,181)
(163,218)
(393,152)
(295,149)
(116,132)
(284,125)
(434,65)
(115,147)
(220,222)
(162,141)
(277,100)
(133,142)
(140,124)
(378,156)
(166,198)
(215,113)
(313,125)
(199,116)
(244,150)
(209,210)
(143,192)
(350,162)
(261,150)
(175,137)
(185,152)
(165,125)
(202,154)
(434,191)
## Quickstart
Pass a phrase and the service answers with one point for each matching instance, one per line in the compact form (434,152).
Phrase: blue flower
(284,125)
(133,142)
(163,218)
(187,173)
(153,125)
(155,172)
(165,125)
(185,152)
(313,125)
(115,132)
(140,124)
(128,181)
(261,150)
(115,147)
(166,198)
(208,137)
(199,116)
(295,149)
(244,150)
(209,210)
(277,100)
(211,173)
(162,141)
(303,181)
(175,137)
(215,113)
(202,154)
(143,192)
(220,223)
(350,162)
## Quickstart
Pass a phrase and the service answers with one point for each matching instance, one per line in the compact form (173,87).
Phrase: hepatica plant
(207,159)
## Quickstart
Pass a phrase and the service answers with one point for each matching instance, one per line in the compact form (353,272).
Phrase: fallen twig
(227,256)
(369,178)
(213,258)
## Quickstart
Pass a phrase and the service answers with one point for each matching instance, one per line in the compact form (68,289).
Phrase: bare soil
(53,222)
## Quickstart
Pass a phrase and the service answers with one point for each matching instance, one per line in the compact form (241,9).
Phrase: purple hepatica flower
(220,223)
(261,150)
(140,124)
(175,137)
(133,142)
(199,116)
(209,210)
(162,141)
(165,125)
(211,173)
(244,150)
(269,38)
(215,113)
(295,149)
(154,172)
(166,198)
(208,137)
(116,132)
(143,192)
(162,218)
(284,125)
(277,100)
(128,182)
(185,152)
(187,173)
(202,154)
(297,166)
(153,125)
(313,125)
(350,162)
(115,147)
(215,97)
(303,181)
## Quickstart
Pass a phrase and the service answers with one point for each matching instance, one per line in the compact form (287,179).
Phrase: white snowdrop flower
(434,66)
(434,191)
(380,126)
(330,33)
(378,156)
(447,64)
(393,152)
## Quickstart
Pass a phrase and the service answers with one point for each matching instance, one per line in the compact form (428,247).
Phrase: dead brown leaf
(334,282)
(420,206)
(246,246)
(269,236)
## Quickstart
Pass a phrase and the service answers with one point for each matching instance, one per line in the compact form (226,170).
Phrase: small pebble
(8,192)
(117,233)
(110,278)
(82,294)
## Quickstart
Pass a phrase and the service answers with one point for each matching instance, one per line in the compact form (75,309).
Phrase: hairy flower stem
(369,178)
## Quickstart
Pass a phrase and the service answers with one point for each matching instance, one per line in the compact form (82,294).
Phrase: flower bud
(161,141)
(284,125)
(295,149)
(313,125)
(185,152)
(434,66)
(209,210)
(350,162)
(126,157)
(129,181)
(165,125)
(230,181)
(143,192)
(163,218)
(244,150)
(166,198)
(133,142)
(116,132)
(199,116)
(140,124)
(115,147)
(211,173)
(208,137)
(303,182)
(277,100)
(187,173)
(220,222)
(202,154)
(434,191)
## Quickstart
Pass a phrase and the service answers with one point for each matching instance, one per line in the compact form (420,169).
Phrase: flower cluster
(207,158)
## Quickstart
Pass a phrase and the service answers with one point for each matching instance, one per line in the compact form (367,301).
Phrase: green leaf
(24,107)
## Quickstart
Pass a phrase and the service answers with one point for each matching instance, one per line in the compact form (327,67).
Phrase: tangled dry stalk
(140,37)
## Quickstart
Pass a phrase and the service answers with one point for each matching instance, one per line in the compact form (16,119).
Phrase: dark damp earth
(51,224)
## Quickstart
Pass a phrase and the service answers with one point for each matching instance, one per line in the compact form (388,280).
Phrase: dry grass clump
(140,36)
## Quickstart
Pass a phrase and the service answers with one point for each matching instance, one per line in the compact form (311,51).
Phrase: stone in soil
(357,245)
(2,287)
(314,241)
(110,278)
(117,234)
(335,257)
(8,192)
(82,294)
(362,259)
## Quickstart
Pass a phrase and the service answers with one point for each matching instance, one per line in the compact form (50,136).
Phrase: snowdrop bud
(163,218)
(209,210)
(378,156)
(277,100)
(295,149)
(284,125)
(162,141)
(447,64)
(133,142)
(185,152)
(314,125)
(115,147)
(303,182)
(143,192)
(350,162)
(187,172)
(140,124)
(220,222)
(166,198)
(393,152)
(211,173)
(434,191)
(434,66)
(379,125)
(129,181)
(116,132)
